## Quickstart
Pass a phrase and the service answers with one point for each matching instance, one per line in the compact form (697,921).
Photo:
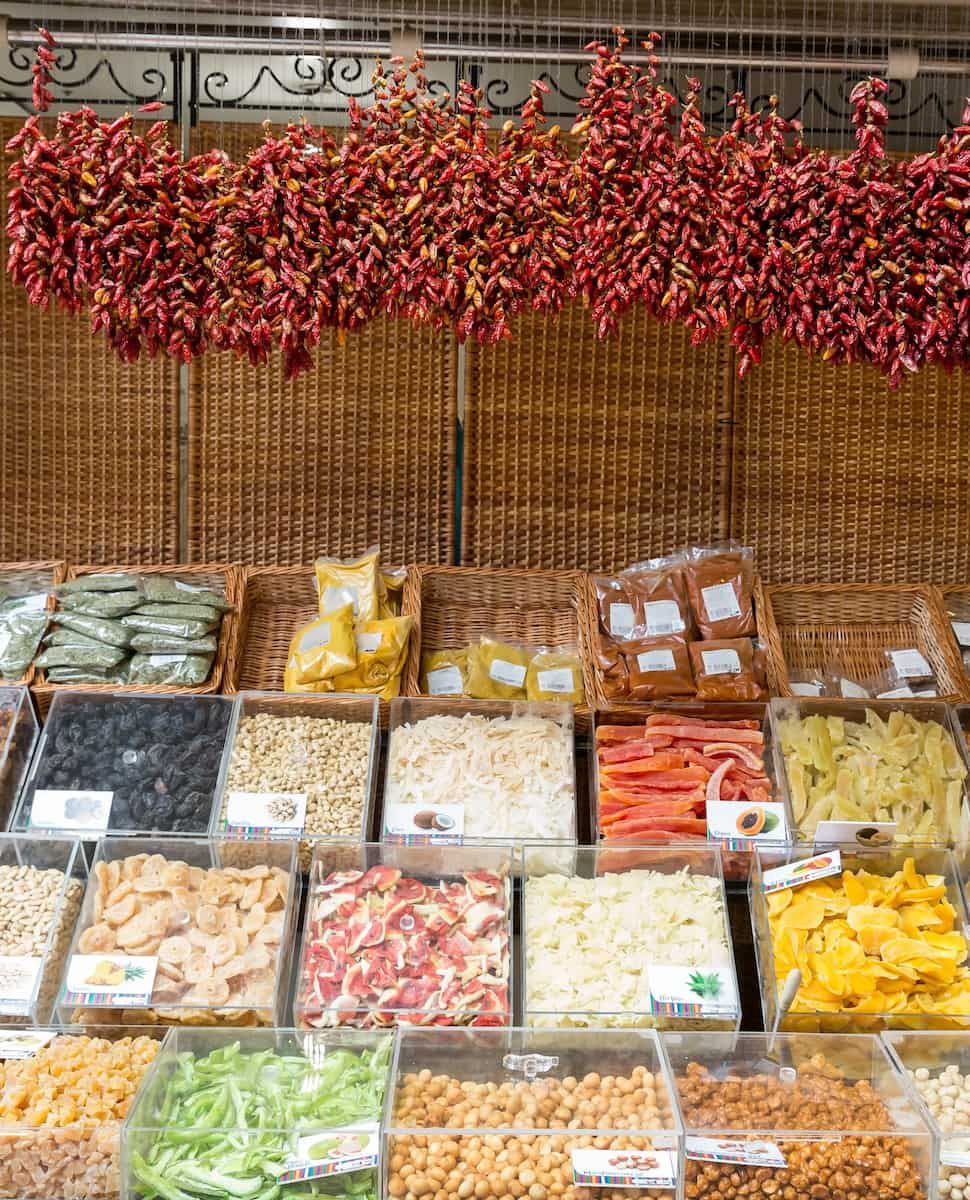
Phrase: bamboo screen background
(575,453)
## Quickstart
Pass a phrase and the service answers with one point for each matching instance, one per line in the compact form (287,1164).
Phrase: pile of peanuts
(29,897)
(324,758)
(515,1166)
(946,1093)
(854,1167)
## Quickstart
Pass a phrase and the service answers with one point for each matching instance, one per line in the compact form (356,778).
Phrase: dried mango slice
(804,914)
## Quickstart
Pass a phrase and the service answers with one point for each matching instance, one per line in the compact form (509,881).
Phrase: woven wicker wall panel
(88,445)
(359,451)
(589,454)
(836,478)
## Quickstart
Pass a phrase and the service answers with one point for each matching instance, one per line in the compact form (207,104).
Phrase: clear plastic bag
(100,581)
(114,633)
(23,622)
(163,643)
(183,612)
(392,580)
(724,669)
(139,622)
(322,649)
(720,584)
(555,673)
(101,657)
(167,589)
(354,582)
(444,672)
(382,647)
(620,608)
(182,670)
(118,674)
(70,637)
(101,604)
(497,670)
(659,669)
(660,590)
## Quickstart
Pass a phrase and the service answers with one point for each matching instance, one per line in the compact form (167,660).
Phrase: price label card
(23,1043)
(422,824)
(69,808)
(332,1152)
(255,814)
(738,820)
(110,980)
(954,1158)
(910,664)
(662,618)
(721,662)
(691,991)
(872,834)
(18,977)
(755,1153)
(624,1168)
(656,660)
(852,691)
(804,871)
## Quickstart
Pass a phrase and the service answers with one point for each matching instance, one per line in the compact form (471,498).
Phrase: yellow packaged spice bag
(354,583)
(444,672)
(555,674)
(381,650)
(391,591)
(324,648)
(497,670)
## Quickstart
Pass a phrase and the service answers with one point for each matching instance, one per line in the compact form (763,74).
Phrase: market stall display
(63,1098)
(811,1116)
(529,1114)
(19,731)
(41,888)
(183,935)
(493,771)
(893,763)
(956,605)
(591,959)
(228,1114)
(878,936)
(126,762)
(406,934)
(299,765)
(25,590)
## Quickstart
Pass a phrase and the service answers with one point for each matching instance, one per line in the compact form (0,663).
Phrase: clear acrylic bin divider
(19,733)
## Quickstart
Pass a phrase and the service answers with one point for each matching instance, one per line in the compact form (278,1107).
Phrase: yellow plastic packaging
(355,583)
(391,592)
(497,670)
(555,674)
(382,647)
(323,649)
(444,672)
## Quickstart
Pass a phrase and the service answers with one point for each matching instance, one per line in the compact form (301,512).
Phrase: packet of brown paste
(660,598)
(497,670)
(659,668)
(720,584)
(724,669)
(617,601)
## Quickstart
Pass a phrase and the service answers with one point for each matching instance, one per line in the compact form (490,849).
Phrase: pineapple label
(692,991)
(110,980)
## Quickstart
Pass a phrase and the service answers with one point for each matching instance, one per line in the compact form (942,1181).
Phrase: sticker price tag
(68,808)
(662,618)
(445,681)
(720,602)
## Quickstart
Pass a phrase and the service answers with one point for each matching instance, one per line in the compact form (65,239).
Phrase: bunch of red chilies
(420,214)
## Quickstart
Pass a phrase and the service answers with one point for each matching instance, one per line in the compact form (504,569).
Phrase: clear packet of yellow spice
(381,650)
(391,595)
(497,670)
(322,649)
(555,673)
(356,583)
(444,672)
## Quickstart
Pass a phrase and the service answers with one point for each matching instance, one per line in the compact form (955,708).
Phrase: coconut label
(422,824)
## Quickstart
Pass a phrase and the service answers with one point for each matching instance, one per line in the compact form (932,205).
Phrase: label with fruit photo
(624,1168)
(692,991)
(332,1152)
(421,824)
(258,814)
(110,980)
(740,823)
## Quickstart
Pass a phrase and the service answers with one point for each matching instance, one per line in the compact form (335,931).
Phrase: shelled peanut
(946,1093)
(516,1166)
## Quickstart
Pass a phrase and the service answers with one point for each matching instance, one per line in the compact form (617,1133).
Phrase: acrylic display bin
(19,731)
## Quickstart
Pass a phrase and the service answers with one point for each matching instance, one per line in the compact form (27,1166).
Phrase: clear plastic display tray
(133,776)
(19,730)
(406,934)
(197,932)
(628,936)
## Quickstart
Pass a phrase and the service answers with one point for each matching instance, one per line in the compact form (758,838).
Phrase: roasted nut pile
(536,1167)
(946,1093)
(28,907)
(61,1112)
(216,932)
(324,758)
(855,1167)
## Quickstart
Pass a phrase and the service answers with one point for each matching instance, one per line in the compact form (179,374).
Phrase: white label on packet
(338,597)
(806,689)
(624,1168)
(961,630)
(33,603)
(691,991)
(910,664)
(511,674)
(901,693)
(18,976)
(445,681)
(556,679)
(656,660)
(367,643)
(753,1153)
(23,1043)
(318,636)
(70,808)
(852,691)
(865,833)
(424,822)
(164,660)
(110,980)
(803,871)
(721,662)
(5,636)
(724,820)
(663,617)
(622,620)
(332,1152)
(279,812)
(188,587)
(720,602)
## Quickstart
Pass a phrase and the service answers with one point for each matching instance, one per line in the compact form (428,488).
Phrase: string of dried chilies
(420,214)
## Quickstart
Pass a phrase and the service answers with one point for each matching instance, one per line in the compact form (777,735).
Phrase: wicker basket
(455,606)
(805,625)
(35,576)
(276,602)
(219,576)
(956,607)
